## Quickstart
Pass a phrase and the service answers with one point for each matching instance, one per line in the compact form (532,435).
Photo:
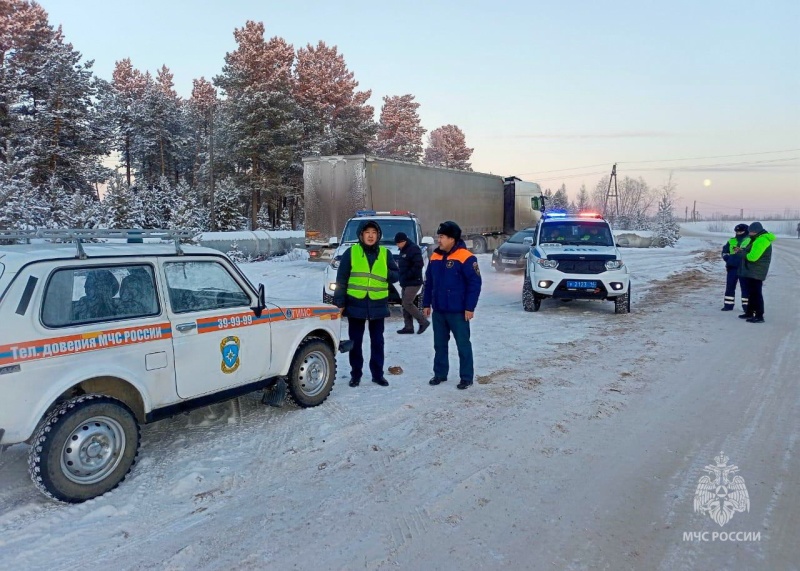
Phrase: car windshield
(388,230)
(576,233)
(519,237)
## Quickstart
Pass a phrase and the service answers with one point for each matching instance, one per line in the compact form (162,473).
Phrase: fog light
(544,283)
(616,286)
(332,286)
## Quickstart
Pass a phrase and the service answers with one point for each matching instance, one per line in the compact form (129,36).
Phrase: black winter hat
(756,227)
(400,237)
(740,228)
(370,224)
(450,229)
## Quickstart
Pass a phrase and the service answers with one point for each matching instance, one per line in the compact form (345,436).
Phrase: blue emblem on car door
(229,347)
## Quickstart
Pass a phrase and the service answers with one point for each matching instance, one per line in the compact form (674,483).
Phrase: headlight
(496,251)
(548,264)
(614,264)
(335,262)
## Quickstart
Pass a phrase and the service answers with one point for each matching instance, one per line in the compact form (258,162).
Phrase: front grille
(581,266)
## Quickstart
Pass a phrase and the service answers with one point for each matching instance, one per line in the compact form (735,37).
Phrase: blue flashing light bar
(360,213)
(555,214)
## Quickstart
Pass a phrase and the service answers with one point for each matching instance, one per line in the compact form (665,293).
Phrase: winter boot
(423,326)
(405,330)
(382,382)
(436,381)
(463,385)
(354,382)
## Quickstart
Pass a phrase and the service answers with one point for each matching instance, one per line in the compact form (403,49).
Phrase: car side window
(77,296)
(202,286)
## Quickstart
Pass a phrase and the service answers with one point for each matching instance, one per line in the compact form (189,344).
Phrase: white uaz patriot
(100,338)
(575,257)
(391,222)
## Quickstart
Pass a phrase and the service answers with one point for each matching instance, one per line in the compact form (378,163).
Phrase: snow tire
(622,304)
(107,440)
(530,301)
(312,374)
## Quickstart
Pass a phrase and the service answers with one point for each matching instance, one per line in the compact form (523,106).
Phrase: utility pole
(741,214)
(694,211)
(609,195)
(686,215)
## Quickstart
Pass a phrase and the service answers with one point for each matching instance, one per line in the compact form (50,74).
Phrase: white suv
(575,257)
(99,338)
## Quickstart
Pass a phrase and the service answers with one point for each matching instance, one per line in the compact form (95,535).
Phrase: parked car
(511,254)
(98,339)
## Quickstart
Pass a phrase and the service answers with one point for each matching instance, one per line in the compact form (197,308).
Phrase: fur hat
(450,229)
(740,228)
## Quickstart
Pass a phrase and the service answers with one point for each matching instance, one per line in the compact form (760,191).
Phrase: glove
(726,256)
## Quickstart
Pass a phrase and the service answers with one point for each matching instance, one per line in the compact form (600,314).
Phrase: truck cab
(391,222)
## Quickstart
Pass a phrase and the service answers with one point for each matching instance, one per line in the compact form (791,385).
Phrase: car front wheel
(312,374)
(84,448)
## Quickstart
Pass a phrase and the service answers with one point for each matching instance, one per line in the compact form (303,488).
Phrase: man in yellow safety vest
(362,290)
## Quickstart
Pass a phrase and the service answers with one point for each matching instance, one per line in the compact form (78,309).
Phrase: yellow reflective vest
(365,281)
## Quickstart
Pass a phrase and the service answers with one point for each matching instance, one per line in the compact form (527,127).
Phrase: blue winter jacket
(452,280)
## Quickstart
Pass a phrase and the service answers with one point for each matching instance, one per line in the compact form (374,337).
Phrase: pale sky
(537,87)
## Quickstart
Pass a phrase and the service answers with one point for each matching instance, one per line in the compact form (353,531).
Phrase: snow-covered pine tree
(400,130)
(447,147)
(122,205)
(236,254)
(262,131)
(666,227)
(560,200)
(336,117)
(228,209)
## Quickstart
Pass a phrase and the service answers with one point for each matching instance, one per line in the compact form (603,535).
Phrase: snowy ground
(579,447)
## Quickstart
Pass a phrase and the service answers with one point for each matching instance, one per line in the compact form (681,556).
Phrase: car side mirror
(262,301)
(333,241)
(528,241)
(427,240)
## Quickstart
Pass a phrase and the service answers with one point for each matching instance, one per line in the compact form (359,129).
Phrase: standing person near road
(733,260)
(754,268)
(362,290)
(798,229)
(452,288)
(410,264)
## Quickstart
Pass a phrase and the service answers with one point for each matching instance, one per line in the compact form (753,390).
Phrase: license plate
(573,284)
(509,261)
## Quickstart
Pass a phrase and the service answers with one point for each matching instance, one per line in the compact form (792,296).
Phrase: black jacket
(410,264)
(362,308)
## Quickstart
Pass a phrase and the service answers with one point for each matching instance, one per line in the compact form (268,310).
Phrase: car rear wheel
(312,374)
(84,449)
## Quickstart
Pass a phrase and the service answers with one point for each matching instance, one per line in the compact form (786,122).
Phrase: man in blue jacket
(362,290)
(452,288)
(733,259)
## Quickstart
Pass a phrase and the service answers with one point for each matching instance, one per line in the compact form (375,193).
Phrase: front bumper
(552,283)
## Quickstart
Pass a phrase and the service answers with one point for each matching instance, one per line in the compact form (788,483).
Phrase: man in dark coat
(362,290)
(452,288)
(754,268)
(410,264)
(733,260)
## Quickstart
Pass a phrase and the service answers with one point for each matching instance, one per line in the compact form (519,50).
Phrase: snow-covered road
(580,446)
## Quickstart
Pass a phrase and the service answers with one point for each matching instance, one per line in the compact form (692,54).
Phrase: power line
(685,167)
(661,161)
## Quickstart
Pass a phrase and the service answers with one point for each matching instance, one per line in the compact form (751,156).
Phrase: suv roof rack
(77,235)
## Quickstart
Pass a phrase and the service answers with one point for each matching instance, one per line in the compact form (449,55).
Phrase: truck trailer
(487,207)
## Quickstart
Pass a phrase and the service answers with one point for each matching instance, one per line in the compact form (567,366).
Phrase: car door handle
(184,327)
